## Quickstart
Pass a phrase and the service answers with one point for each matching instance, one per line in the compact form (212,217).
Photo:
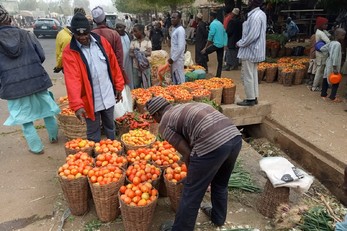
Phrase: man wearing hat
(252,51)
(93,78)
(200,41)
(112,36)
(321,35)
(234,32)
(210,144)
(25,83)
(216,41)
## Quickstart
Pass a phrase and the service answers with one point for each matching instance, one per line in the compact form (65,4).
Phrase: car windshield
(47,22)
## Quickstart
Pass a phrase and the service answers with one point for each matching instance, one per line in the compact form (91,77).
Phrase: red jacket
(77,75)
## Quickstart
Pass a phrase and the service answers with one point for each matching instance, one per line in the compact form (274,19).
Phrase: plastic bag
(124,106)
(164,75)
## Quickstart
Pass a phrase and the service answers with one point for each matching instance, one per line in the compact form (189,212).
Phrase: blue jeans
(215,168)
(93,127)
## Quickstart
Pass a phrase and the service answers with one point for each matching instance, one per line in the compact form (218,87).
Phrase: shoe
(54,141)
(316,89)
(166,226)
(206,208)
(324,98)
(247,102)
(226,68)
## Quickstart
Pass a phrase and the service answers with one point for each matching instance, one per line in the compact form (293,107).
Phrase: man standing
(128,24)
(234,32)
(112,36)
(217,40)
(24,83)
(252,51)
(94,80)
(63,38)
(127,62)
(178,44)
(200,42)
(210,144)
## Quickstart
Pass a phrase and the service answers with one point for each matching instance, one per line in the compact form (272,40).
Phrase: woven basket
(182,101)
(271,73)
(288,78)
(161,184)
(106,200)
(140,108)
(228,95)
(280,76)
(72,127)
(76,194)
(201,98)
(137,218)
(89,151)
(122,129)
(216,95)
(261,74)
(299,76)
(271,198)
(135,147)
(174,192)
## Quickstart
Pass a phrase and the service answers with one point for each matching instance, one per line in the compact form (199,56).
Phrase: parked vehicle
(46,27)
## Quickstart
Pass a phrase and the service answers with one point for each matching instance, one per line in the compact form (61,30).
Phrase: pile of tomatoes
(176,172)
(106,159)
(142,172)
(108,145)
(105,174)
(76,166)
(138,195)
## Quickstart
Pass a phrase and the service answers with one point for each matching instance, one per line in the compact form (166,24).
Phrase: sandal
(166,226)
(336,100)
(54,141)
(206,209)
(324,98)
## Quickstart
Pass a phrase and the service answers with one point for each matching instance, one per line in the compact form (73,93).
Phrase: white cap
(98,14)
(236,11)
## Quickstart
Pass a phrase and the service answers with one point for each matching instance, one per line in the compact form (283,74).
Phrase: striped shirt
(204,128)
(252,44)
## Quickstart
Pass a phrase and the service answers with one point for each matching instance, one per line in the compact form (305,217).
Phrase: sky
(94,3)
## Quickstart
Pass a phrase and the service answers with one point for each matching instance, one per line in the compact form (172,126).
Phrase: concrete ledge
(242,116)
(327,169)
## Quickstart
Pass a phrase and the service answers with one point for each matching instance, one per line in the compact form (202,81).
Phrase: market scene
(182,115)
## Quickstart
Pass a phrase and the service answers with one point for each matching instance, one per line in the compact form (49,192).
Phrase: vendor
(291,29)
(210,144)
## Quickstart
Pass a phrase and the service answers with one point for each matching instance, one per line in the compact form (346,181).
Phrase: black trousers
(220,52)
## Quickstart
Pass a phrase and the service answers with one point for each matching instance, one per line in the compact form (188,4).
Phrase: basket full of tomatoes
(137,205)
(73,180)
(173,177)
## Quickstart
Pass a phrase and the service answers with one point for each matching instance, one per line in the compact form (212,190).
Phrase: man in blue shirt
(216,41)
(291,29)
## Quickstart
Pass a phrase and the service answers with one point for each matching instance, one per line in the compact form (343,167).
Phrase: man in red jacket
(93,78)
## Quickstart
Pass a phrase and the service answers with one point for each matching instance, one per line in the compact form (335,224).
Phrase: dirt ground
(32,199)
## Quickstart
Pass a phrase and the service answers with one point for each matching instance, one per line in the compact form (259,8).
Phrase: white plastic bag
(124,106)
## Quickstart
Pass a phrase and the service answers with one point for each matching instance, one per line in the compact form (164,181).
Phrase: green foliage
(241,179)
(213,104)
(92,225)
(317,218)
(277,37)
(143,6)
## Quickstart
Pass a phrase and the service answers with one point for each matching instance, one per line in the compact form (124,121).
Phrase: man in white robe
(178,43)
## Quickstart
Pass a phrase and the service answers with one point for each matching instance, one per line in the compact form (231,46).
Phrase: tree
(27,5)
(81,3)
